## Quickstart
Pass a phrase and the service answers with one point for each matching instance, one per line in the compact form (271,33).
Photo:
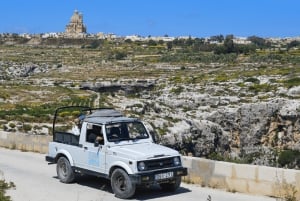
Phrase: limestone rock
(294,91)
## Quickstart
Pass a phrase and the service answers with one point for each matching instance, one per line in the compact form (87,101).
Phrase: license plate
(162,176)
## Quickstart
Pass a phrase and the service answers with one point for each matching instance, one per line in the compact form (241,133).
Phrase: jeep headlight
(141,166)
(177,161)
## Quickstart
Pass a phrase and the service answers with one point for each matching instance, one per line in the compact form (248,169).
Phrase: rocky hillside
(242,112)
(205,121)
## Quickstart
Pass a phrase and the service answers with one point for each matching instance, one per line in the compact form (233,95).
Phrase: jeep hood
(144,151)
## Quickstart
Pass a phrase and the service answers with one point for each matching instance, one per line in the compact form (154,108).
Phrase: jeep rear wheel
(121,184)
(172,185)
(64,170)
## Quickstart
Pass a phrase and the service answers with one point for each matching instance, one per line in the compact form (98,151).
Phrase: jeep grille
(159,164)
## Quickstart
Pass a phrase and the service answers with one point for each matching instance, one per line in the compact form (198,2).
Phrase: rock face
(129,87)
(206,125)
(253,129)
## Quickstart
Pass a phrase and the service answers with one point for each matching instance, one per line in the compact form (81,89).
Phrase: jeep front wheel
(172,185)
(64,170)
(121,184)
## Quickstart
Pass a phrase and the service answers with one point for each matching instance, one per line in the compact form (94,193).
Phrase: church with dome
(76,26)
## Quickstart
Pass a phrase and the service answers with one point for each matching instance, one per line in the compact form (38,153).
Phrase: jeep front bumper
(158,176)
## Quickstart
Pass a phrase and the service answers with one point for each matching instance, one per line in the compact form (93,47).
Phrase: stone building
(76,26)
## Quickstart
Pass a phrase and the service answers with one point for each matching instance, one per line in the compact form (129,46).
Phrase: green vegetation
(288,158)
(247,159)
(3,187)
(177,90)
(27,127)
(253,80)
(292,82)
(256,88)
(37,104)
(222,77)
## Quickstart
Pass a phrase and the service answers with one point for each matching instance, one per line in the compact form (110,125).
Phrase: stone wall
(25,142)
(251,179)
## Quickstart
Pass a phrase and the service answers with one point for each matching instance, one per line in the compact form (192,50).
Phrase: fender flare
(120,164)
(66,154)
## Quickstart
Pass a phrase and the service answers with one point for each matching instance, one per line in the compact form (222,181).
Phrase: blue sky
(198,18)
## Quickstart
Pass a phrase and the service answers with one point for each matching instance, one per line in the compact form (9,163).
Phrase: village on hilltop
(77,29)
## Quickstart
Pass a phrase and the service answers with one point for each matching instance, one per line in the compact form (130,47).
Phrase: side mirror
(96,143)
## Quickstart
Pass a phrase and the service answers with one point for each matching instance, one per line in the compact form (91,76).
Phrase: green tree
(95,44)
(228,44)
(292,44)
(289,158)
(128,41)
(152,43)
(120,55)
(178,42)
(259,42)
(218,38)
(169,45)
(161,42)
(189,41)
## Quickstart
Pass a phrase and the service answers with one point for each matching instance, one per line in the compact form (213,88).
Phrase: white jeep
(114,147)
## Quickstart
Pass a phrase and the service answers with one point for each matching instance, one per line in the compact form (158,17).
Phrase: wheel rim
(63,169)
(121,183)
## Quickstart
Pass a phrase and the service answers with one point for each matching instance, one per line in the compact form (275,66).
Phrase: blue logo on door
(93,159)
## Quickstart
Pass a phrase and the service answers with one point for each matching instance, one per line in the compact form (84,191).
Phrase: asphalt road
(35,180)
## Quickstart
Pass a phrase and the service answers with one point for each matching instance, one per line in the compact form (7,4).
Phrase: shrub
(64,114)
(262,88)
(120,55)
(292,82)
(3,187)
(216,156)
(27,127)
(177,90)
(5,128)
(4,95)
(253,80)
(222,78)
(288,157)
(12,125)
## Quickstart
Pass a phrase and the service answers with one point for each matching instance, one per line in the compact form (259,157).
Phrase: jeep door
(94,153)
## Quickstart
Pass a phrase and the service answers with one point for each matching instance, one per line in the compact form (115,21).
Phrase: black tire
(64,170)
(172,185)
(121,184)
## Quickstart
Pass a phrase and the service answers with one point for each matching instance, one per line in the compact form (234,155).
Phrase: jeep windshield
(126,131)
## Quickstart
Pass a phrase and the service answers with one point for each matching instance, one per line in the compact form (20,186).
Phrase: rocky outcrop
(10,70)
(206,125)
(253,129)
(127,86)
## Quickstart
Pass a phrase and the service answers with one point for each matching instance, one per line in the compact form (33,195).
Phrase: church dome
(76,25)
(76,17)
